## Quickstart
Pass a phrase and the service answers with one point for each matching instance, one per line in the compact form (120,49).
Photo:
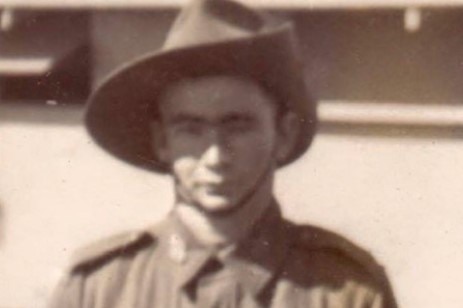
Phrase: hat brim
(118,112)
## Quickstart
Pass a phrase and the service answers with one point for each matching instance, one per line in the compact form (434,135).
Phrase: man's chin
(217,206)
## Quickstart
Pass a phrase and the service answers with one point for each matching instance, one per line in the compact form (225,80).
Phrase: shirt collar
(255,260)
(259,257)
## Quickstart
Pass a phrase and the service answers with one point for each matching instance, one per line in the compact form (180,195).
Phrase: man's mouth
(215,187)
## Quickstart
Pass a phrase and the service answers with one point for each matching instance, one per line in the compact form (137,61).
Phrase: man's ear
(288,132)
(158,141)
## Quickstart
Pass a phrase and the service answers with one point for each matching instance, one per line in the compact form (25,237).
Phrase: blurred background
(385,169)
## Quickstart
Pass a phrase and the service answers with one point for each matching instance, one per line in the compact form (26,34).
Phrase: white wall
(399,198)
(59,191)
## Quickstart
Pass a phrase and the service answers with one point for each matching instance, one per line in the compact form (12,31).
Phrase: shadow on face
(220,136)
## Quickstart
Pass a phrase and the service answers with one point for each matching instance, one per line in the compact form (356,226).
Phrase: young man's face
(220,137)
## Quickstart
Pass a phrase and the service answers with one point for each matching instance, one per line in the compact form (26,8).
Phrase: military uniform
(279,265)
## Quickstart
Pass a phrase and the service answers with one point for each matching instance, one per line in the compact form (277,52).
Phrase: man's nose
(217,153)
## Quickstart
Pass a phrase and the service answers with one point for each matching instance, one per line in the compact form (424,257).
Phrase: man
(220,108)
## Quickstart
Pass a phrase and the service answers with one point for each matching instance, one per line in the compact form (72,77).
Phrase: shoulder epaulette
(98,253)
(311,238)
(314,238)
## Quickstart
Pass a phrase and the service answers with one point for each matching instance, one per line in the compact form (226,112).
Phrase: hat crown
(212,21)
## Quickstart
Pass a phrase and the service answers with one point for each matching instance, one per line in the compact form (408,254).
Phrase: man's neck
(219,231)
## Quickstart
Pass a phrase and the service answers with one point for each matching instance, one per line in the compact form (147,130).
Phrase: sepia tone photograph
(231,153)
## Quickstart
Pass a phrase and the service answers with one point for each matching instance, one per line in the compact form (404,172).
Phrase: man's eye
(239,125)
(189,128)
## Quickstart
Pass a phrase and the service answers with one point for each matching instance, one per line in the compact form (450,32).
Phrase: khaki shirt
(279,265)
